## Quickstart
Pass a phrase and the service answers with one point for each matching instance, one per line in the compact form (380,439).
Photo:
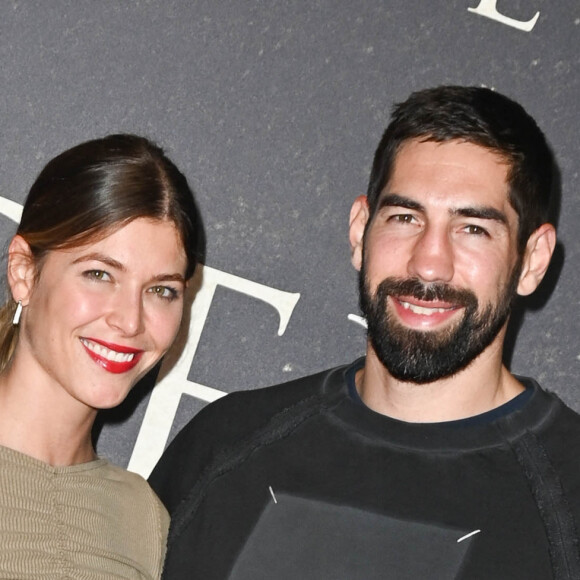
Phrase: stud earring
(17,314)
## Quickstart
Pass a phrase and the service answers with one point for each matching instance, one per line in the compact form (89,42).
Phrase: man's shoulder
(548,416)
(244,411)
(277,397)
(566,415)
(236,418)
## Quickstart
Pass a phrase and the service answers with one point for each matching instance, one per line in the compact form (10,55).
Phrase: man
(427,458)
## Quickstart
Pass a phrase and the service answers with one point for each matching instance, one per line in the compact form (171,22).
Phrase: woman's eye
(99,275)
(165,292)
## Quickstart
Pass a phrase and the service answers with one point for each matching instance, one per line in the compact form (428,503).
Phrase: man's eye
(403,218)
(476,230)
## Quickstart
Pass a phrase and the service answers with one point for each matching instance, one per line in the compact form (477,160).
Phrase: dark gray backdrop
(273,108)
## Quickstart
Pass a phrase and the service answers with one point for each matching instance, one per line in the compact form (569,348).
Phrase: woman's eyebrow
(168,278)
(112,263)
(100,258)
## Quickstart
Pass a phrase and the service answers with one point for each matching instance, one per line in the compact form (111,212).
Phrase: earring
(17,314)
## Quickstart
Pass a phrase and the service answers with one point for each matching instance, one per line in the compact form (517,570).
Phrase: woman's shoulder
(131,489)
(140,513)
(112,513)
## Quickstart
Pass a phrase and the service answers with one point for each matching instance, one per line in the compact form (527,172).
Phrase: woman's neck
(42,421)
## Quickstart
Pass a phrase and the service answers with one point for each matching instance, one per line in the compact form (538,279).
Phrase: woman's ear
(21,269)
(359,215)
(537,256)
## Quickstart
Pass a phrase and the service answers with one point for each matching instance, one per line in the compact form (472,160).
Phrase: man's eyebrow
(479,212)
(483,212)
(396,200)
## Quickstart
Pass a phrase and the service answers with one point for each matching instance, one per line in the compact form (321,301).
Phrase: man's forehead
(430,144)
(458,176)
(452,166)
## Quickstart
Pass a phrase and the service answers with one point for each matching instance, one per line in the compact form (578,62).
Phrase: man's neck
(484,385)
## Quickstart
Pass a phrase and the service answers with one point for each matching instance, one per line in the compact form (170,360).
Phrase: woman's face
(101,315)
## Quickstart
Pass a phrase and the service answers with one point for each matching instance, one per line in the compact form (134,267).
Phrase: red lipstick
(100,352)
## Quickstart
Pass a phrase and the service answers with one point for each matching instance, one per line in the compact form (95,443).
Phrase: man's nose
(432,258)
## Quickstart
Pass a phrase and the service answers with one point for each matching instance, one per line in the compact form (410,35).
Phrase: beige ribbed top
(92,521)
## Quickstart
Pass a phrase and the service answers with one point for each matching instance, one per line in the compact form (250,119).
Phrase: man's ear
(359,215)
(21,269)
(537,256)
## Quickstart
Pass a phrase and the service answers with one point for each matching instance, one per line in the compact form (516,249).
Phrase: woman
(97,272)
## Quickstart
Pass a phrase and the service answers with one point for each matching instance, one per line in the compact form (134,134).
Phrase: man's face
(439,267)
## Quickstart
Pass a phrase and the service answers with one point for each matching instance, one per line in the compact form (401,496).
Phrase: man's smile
(423,314)
(426,310)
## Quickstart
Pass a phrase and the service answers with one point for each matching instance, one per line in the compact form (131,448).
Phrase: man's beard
(424,356)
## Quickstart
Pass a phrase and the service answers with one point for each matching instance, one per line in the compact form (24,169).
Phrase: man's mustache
(413,287)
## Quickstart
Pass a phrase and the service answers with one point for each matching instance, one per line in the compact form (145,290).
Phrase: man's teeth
(422,310)
(107,353)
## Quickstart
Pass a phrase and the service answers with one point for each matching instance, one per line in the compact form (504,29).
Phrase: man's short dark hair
(482,117)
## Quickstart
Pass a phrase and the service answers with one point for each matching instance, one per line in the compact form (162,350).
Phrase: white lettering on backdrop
(172,382)
(11,209)
(488,9)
